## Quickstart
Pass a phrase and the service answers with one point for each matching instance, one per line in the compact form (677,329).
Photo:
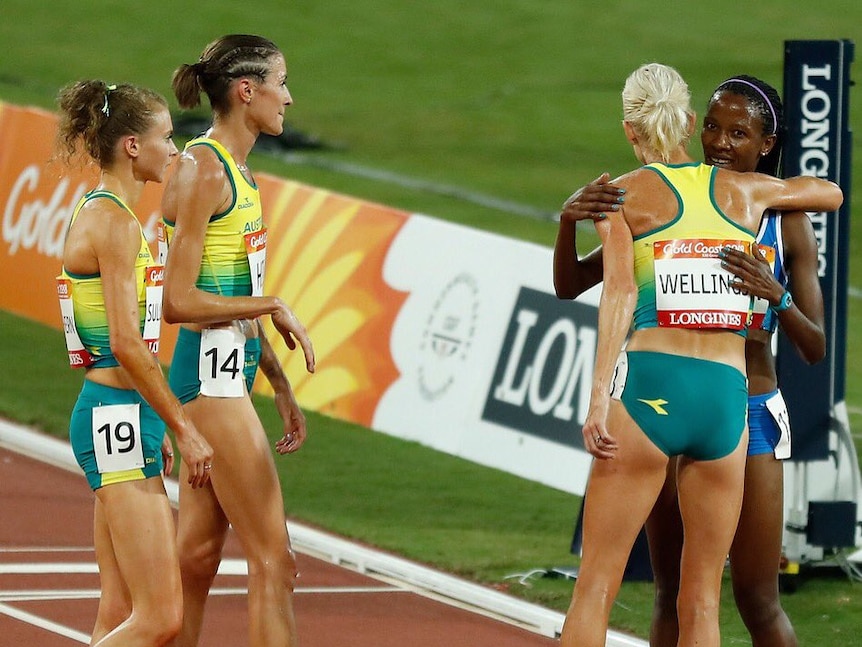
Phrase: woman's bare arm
(574,276)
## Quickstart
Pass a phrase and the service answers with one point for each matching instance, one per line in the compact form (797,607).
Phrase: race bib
(79,357)
(255,248)
(117,437)
(153,281)
(778,409)
(221,363)
(761,306)
(693,290)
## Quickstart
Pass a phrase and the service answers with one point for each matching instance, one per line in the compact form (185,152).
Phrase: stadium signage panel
(816,101)
(544,371)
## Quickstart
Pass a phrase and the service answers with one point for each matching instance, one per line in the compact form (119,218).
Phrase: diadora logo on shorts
(448,336)
(657,405)
(544,372)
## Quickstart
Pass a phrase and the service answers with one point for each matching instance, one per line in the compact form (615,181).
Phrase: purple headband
(765,98)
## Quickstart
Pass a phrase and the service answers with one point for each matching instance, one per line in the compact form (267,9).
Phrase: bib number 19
(117,437)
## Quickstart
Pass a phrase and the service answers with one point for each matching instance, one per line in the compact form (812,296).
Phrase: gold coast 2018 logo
(448,336)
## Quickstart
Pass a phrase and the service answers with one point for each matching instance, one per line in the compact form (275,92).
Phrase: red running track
(49,583)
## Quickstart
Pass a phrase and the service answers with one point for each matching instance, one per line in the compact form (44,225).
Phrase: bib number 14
(221,363)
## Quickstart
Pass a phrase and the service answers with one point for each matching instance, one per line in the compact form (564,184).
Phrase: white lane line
(320,590)
(227,567)
(57,568)
(418,184)
(46,549)
(48,594)
(54,595)
(42,623)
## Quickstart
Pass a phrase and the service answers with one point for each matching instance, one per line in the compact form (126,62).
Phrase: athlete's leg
(664,532)
(710,496)
(142,530)
(247,487)
(115,604)
(756,551)
(620,494)
(201,532)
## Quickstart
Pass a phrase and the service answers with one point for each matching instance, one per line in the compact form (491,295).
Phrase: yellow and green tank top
(693,291)
(88,298)
(224,264)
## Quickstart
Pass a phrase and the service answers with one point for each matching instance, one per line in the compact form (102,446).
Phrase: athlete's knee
(200,560)
(696,603)
(170,625)
(758,605)
(273,561)
(159,621)
(278,563)
(597,585)
(113,611)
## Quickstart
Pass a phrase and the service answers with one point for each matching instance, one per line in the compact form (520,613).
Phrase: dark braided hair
(768,103)
(228,58)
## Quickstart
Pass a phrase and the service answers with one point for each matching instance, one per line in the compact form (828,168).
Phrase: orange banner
(325,255)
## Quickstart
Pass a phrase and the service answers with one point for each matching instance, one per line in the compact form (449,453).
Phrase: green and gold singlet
(225,267)
(677,267)
(233,263)
(88,300)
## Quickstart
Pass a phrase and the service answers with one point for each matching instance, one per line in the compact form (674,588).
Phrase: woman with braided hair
(214,288)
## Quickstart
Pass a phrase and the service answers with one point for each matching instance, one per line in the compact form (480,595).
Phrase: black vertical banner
(818,143)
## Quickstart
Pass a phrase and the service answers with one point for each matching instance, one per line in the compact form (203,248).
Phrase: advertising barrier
(493,367)
(422,329)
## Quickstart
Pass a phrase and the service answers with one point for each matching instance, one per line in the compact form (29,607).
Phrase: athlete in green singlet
(110,299)
(214,288)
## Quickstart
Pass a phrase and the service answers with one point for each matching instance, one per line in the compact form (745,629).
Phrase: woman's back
(686,303)
(651,203)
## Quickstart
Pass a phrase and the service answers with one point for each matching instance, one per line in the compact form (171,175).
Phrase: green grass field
(515,100)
